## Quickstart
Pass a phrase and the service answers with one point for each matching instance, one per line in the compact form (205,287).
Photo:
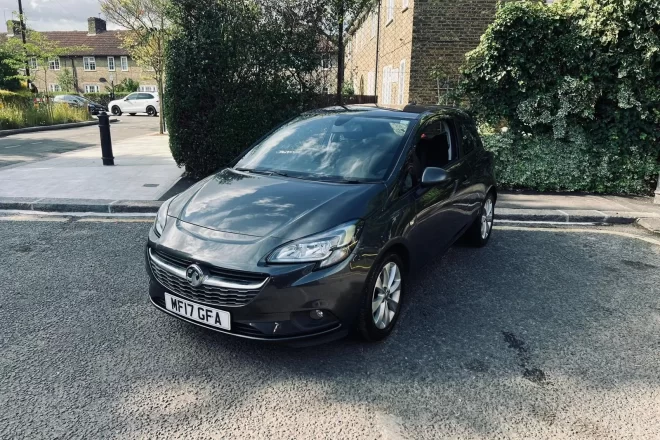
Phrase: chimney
(95,25)
(13,28)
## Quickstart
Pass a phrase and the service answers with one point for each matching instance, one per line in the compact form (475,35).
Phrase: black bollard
(106,141)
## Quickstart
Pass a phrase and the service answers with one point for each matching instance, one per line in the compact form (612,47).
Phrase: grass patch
(17,116)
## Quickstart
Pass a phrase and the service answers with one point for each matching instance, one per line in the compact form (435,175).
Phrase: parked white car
(138,102)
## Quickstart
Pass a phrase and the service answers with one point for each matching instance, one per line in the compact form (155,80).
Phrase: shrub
(233,71)
(576,69)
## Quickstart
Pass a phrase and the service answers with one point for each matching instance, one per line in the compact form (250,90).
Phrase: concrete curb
(650,224)
(151,207)
(572,216)
(81,205)
(4,133)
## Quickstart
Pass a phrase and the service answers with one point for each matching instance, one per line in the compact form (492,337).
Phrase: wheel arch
(400,248)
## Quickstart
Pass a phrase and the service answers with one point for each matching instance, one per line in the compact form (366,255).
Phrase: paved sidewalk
(531,206)
(144,170)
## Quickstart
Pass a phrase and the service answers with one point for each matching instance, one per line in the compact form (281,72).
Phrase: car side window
(469,137)
(146,96)
(132,96)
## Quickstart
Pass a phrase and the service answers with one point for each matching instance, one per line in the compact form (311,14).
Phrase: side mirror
(433,176)
(125,99)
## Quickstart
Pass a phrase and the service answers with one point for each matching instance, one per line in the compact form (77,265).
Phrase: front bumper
(278,311)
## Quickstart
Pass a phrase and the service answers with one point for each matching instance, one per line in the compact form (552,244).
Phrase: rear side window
(469,137)
(146,96)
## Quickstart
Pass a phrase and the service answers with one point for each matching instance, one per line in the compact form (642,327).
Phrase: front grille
(209,295)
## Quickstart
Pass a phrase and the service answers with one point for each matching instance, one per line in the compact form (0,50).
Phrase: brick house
(104,61)
(393,48)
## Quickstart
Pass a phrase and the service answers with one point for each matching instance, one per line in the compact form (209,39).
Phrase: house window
(54,64)
(89,63)
(326,62)
(151,89)
(349,46)
(387,84)
(404,5)
(374,24)
(390,11)
(32,63)
(111,64)
(124,64)
(92,88)
(402,79)
(54,87)
(371,87)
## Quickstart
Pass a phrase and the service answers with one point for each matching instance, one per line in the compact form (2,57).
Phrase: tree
(45,53)
(339,14)
(331,18)
(66,80)
(9,76)
(127,85)
(146,36)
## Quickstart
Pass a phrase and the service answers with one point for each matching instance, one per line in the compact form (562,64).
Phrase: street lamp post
(23,32)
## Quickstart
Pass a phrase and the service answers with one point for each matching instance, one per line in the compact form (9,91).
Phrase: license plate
(197,312)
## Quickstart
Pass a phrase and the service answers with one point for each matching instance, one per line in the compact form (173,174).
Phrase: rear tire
(482,228)
(381,298)
(151,111)
(116,110)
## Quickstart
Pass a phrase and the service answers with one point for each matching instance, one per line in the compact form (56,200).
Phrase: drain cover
(150,185)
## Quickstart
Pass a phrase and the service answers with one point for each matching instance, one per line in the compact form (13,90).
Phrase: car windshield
(333,147)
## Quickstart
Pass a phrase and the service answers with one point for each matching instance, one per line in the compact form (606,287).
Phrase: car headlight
(161,217)
(327,248)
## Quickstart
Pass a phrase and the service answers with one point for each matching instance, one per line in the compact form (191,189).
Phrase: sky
(54,15)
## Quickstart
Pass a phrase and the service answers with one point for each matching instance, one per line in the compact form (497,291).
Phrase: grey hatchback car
(316,229)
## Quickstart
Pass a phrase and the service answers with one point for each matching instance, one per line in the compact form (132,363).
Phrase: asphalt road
(539,335)
(33,146)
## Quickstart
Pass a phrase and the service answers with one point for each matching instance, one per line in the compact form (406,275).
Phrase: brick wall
(369,76)
(443,32)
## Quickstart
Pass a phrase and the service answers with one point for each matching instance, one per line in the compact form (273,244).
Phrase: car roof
(364,110)
(410,111)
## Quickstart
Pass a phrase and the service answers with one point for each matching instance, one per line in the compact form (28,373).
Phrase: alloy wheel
(387,292)
(487,218)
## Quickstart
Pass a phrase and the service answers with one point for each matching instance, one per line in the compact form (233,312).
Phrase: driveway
(542,334)
(28,147)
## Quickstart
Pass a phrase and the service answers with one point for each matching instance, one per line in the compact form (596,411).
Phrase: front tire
(482,228)
(116,110)
(381,299)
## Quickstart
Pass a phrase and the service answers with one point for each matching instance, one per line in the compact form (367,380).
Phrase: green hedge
(547,164)
(583,77)
(233,72)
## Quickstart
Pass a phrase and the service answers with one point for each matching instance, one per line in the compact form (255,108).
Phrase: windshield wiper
(264,172)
